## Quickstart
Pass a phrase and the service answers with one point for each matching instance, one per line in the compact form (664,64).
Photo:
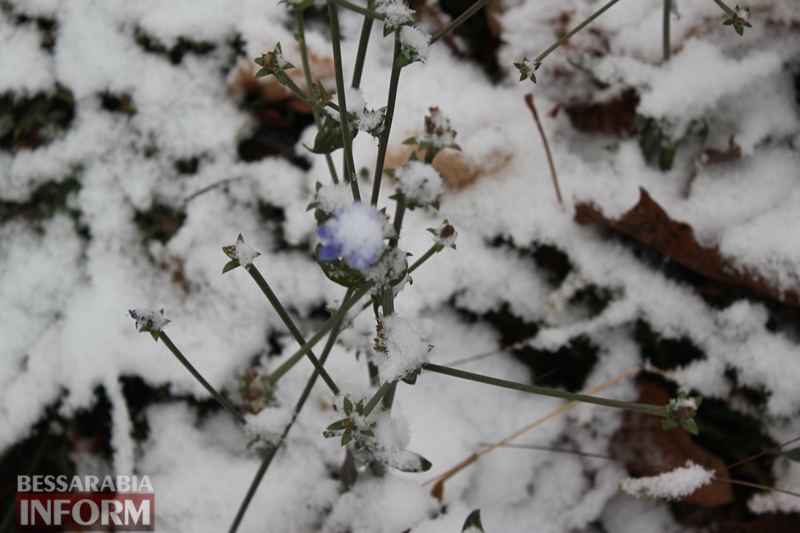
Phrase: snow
(404,352)
(396,13)
(672,485)
(419,183)
(414,43)
(269,424)
(70,276)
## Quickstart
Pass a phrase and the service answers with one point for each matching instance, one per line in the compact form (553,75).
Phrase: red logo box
(85,511)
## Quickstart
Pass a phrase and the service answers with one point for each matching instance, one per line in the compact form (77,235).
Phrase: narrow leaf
(473,523)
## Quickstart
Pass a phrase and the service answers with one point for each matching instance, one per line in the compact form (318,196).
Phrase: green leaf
(367,432)
(403,61)
(340,272)
(337,426)
(473,523)
(348,406)
(230,265)
(347,437)
(691,426)
(670,423)
(329,137)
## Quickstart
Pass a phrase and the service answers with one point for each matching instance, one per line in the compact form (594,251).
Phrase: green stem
(383,142)
(725,7)
(358,9)
(193,371)
(301,41)
(363,42)
(262,469)
(376,398)
(424,257)
(326,327)
(287,321)
(344,118)
(555,393)
(575,30)
(459,21)
(666,44)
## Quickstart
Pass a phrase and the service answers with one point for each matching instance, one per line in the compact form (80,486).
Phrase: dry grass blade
(438,488)
(532,107)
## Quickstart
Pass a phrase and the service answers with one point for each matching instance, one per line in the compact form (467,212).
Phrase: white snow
(672,485)
(405,350)
(396,13)
(245,254)
(420,183)
(269,424)
(69,277)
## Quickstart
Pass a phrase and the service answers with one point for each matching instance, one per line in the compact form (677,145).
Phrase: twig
(532,107)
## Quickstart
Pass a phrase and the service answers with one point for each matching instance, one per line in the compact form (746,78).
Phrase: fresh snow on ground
(67,284)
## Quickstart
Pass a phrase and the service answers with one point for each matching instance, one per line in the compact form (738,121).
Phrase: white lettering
(144,483)
(108,484)
(91,483)
(23,512)
(60,510)
(62,483)
(111,516)
(94,513)
(23,483)
(133,515)
(76,485)
(44,513)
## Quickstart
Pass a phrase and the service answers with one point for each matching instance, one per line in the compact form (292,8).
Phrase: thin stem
(759,454)
(193,371)
(301,41)
(666,43)
(725,7)
(358,9)
(287,321)
(361,54)
(262,469)
(376,398)
(344,118)
(575,30)
(424,257)
(459,20)
(383,142)
(555,393)
(326,327)
(532,107)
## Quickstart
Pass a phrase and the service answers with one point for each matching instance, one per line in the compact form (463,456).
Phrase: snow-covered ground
(68,281)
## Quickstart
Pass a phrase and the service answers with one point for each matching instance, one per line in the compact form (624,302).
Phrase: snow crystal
(414,43)
(396,13)
(405,350)
(27,68)
(671,485)
(355,234)
(269,424)
(365,119)
(244,254)
(331,198)
(419,183)
(151,320)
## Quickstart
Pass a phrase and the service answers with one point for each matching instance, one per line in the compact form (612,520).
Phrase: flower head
(355,234)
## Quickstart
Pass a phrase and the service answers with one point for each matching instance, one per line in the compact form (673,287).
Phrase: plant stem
(424,257)
(301,41)
(666,44)
(532,107)
(555,393)
(376,398)
(262,469)
(193,371)
(575,30)
(363,42)
(344,118)
(383,142)
(326,327)
(287,321)
(725,7)
(358,9)
(459,20)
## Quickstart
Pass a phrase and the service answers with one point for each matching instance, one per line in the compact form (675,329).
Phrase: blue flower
(355,234)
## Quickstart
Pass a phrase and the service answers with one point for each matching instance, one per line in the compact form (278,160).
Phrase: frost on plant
(527,69)
(402,350)
(419,184)
(241,254)
(396,14)
(333,197)
(365,119)
(681,412)
(273,63)
(444,236)
(672,485)
(148,321)
(414,45)
(269,424)
(739,20)
(355,234)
